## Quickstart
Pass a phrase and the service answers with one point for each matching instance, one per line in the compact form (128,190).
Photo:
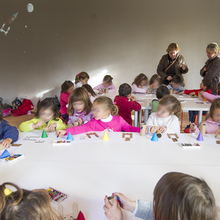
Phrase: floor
(16,121)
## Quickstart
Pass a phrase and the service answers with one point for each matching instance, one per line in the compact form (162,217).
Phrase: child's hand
(80,121)
(183,67)
(100,91)
(51,127)
(114,211)
(153,129)
(174,92)
(60,133)
(162,129)
(193,126)
(38,124)
(146,130)
(132,98)
(148,92)
(70,125)
(6,142)
(126,203)
(192,93)
(181,93)
(169,78)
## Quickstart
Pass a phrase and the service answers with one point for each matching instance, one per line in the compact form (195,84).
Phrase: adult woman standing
(211,70)
(171,64)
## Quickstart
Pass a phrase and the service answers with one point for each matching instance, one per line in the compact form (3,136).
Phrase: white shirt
(171,122)
(79,84)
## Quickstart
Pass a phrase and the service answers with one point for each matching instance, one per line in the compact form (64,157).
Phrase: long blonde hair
(107,102)
(24,204)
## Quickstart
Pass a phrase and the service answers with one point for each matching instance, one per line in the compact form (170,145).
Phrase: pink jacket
(135,89)
(111,88)
(210,97)
(211,127)
(64,99)
(117,124)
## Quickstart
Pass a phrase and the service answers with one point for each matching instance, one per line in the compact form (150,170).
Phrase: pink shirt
(111,88)
(210,97)
(138,90)
(64,99)
(81,115)
(117,124)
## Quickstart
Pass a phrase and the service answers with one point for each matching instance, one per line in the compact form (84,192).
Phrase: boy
(205,86)
(124,105)
(175,85)
(8,133)
(160,93)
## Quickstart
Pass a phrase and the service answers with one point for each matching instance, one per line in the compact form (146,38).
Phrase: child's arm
(127,127)
(139,90)
(30,125)
(209,96)
(10,132)
(135,106)
(112,88)
(152,127)
(59,124)
(64,97)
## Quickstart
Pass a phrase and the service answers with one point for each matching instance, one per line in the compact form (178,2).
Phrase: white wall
(124,37)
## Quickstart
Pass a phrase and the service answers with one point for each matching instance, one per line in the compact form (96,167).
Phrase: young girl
(177,196)
(81,79)
(139,84)
(46,117)
(25,204)
(105,118)
(106,85)
(155,83)
(211,97)
(92,94)
(213,119)
(66,88)
(165,119)
(79,107)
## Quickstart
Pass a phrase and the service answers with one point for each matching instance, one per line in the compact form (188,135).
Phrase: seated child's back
(125,106)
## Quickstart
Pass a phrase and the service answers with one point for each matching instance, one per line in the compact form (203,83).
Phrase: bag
(171,64)
(16,103)
(7,112)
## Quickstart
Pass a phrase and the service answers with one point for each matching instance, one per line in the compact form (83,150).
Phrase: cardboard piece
(143,129)
(203,129)
(105,137)
(69,137)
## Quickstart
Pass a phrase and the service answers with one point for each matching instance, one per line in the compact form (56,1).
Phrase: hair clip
(79,74)
(142,77)
(7,192)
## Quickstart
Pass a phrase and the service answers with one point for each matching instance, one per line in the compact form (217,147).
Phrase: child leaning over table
(165,119)
(8,133)
(210,97)
(213,119)
(175,85)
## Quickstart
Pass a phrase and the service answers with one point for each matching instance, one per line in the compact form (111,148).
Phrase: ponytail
(81,75)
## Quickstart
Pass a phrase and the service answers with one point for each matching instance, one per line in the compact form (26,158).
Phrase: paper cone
(200,137)
(154,138)
(80,216)
(5,154)
(105,137)
(44,134)
(69,137)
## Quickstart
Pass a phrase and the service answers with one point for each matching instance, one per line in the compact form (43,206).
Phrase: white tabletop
(88,171)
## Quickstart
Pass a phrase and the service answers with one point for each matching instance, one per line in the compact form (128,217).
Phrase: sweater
(211,127)
(81,115)
(79,84)
(144,210)
(116,124)
(178,89)
(27,125)
(210,97)
(64,99)
(111,88)
(136,89)
(187,92)
(125,107)
(8,131)
(171,122)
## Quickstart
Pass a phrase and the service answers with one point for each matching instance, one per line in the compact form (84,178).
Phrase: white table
(89,171)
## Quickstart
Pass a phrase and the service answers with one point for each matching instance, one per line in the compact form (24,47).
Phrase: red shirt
(196,91)
(125,107)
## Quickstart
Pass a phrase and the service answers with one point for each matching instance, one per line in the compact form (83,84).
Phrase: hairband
(7,192)
(79,74)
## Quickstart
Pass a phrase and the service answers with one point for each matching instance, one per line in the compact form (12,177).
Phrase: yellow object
(26,126)
(7,192)
(105,137)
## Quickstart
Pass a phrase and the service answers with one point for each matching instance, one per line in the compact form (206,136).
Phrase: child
(139,84)
(160,93)
(106,85)
(155,82)
(66,88)
(175,85)
(213,119)
(105,118)
(92,94)
(177,196)
(25,204)
(210,97)
(165,119)
(126,102)
(81,79)
(8,133)
(79,107)
(46,117)
(205,86)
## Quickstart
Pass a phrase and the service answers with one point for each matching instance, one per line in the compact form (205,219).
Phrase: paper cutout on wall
(10,20)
